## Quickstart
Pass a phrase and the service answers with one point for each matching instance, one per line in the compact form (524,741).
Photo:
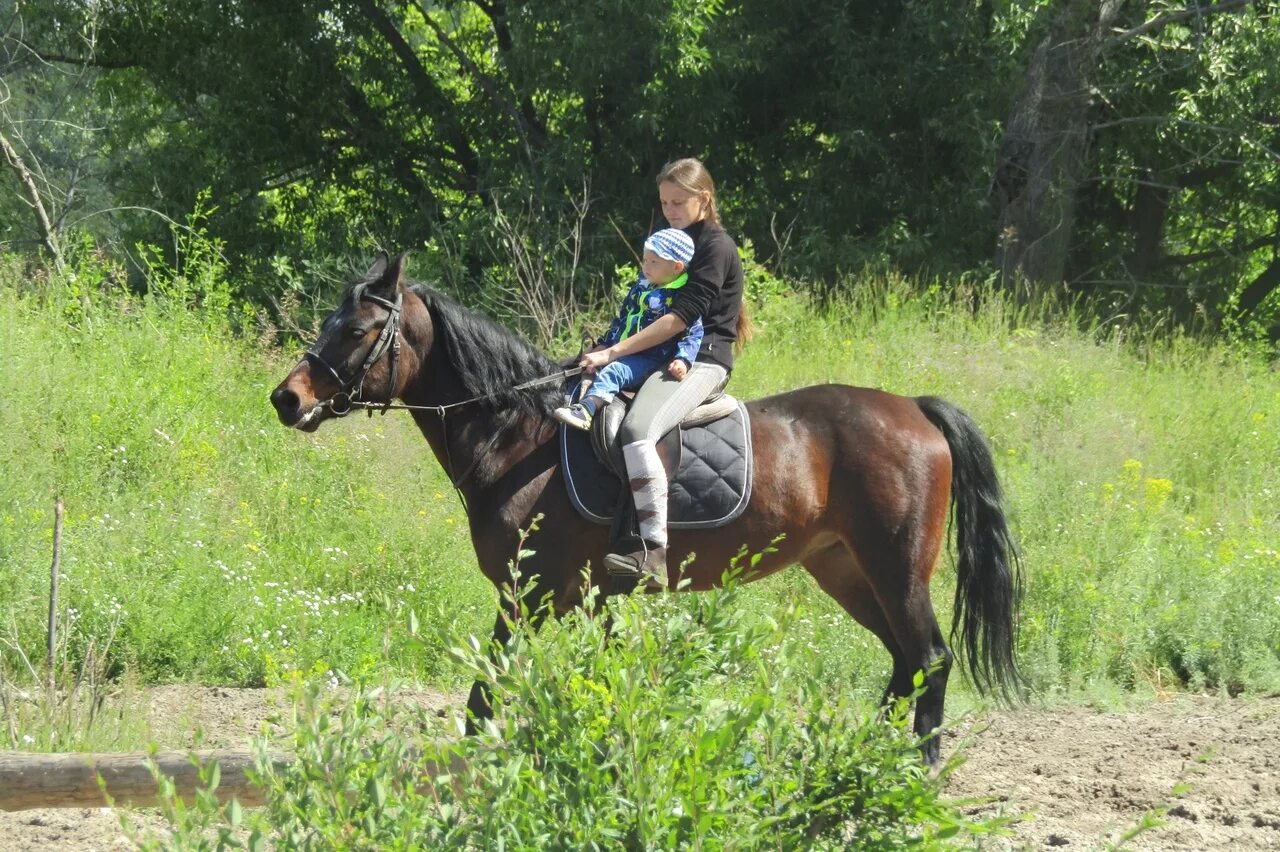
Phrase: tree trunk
(1259,288)
(32,194)
(1150,209)
(1044,151)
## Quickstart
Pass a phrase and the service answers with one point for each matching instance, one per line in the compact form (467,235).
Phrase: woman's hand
(594,360)
(678,369)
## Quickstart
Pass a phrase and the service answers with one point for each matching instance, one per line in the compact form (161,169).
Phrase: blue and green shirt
(645,303)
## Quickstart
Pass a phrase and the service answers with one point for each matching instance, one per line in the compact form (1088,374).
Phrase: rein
(441,409)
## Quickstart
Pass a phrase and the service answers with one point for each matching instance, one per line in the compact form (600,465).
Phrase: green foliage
(1183,125)
(1138,474)
(843,137)
(681,725)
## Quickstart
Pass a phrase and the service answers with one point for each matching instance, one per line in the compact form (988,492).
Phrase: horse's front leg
(480,701)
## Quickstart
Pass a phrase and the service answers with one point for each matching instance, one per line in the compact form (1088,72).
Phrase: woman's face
(682,208)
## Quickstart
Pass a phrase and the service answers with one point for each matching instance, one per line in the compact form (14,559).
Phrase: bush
(677,723)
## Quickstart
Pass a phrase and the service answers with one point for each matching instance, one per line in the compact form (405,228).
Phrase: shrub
(671,722)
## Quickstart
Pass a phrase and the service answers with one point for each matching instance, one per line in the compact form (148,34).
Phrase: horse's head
(358,356)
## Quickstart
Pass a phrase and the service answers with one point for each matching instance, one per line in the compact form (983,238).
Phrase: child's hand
(678,369)
(595,360)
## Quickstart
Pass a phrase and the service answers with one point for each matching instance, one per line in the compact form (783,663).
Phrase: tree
(1140,159)
(1125,149)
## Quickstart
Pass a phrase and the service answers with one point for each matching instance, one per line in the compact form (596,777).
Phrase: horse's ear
(395,272)
(387,276)
(378,269)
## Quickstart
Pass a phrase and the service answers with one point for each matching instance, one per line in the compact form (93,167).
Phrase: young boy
(666,255)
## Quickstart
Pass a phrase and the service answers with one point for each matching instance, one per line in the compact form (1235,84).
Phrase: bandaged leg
(648,490)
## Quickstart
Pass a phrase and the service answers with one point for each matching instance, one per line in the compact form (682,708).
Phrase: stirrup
(646,561)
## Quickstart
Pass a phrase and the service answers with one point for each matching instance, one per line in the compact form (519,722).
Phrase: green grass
(1140,476)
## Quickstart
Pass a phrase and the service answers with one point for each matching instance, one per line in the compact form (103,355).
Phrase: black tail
(988,572)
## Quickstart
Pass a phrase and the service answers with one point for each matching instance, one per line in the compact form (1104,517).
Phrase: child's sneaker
(575,415)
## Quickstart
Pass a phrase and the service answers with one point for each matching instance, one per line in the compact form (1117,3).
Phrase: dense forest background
(1126,152)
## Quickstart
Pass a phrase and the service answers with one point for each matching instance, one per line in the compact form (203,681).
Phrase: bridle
(347,397)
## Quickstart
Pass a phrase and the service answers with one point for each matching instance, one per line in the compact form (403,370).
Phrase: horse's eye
(357,333)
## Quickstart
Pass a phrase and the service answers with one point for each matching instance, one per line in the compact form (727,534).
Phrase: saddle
(707,458)
(608,421)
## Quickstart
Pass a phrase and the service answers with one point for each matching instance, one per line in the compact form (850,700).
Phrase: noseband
(340,404)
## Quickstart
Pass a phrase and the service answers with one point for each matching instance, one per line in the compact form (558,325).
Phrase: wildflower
(1158,491)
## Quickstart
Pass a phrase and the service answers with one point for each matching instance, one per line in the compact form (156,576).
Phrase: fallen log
(33,780)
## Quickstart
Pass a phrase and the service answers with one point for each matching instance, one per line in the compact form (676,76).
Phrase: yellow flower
(1158,491)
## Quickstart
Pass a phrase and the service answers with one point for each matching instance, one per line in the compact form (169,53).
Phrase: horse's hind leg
(896,609)
(923,650)
(902,587)
(840,577)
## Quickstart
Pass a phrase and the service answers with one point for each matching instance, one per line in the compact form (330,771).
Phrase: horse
(858,486)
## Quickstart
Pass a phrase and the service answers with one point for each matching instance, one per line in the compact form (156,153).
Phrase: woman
(714,294)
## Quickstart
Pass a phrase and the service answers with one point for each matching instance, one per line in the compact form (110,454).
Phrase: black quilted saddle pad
(711,488)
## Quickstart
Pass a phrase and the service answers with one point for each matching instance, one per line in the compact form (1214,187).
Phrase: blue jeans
(627,373)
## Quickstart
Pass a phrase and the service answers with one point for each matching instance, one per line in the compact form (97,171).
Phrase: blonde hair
(690,175)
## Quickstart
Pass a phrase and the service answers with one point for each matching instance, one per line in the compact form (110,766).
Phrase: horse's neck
(465,438)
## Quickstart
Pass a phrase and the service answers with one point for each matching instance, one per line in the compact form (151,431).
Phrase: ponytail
(745,329)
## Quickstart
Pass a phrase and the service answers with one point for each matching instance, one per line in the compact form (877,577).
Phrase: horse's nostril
(285,400)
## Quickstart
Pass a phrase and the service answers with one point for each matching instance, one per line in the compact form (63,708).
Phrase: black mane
(489,358)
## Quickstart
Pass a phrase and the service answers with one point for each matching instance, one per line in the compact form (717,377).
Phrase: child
(666,255)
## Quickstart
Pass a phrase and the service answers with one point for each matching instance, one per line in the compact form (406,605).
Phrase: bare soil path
(1082,775)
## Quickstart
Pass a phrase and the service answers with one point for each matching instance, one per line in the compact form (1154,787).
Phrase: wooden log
(31,780)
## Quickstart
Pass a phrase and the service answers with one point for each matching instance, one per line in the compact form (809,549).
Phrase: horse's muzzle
(289,409)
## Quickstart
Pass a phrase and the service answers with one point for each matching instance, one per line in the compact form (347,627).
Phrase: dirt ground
(1084,776)
(1081,776)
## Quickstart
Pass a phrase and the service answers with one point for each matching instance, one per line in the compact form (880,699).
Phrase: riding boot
(649,493)
(646,560)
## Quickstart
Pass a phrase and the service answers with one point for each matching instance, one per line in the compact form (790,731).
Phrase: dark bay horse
(856,481)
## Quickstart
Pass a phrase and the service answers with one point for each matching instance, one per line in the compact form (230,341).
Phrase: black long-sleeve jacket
(714,291)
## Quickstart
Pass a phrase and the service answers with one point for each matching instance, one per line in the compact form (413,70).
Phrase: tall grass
(1140,475)
(230,550)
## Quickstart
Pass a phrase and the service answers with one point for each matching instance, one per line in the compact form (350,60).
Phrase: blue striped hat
(671,244)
